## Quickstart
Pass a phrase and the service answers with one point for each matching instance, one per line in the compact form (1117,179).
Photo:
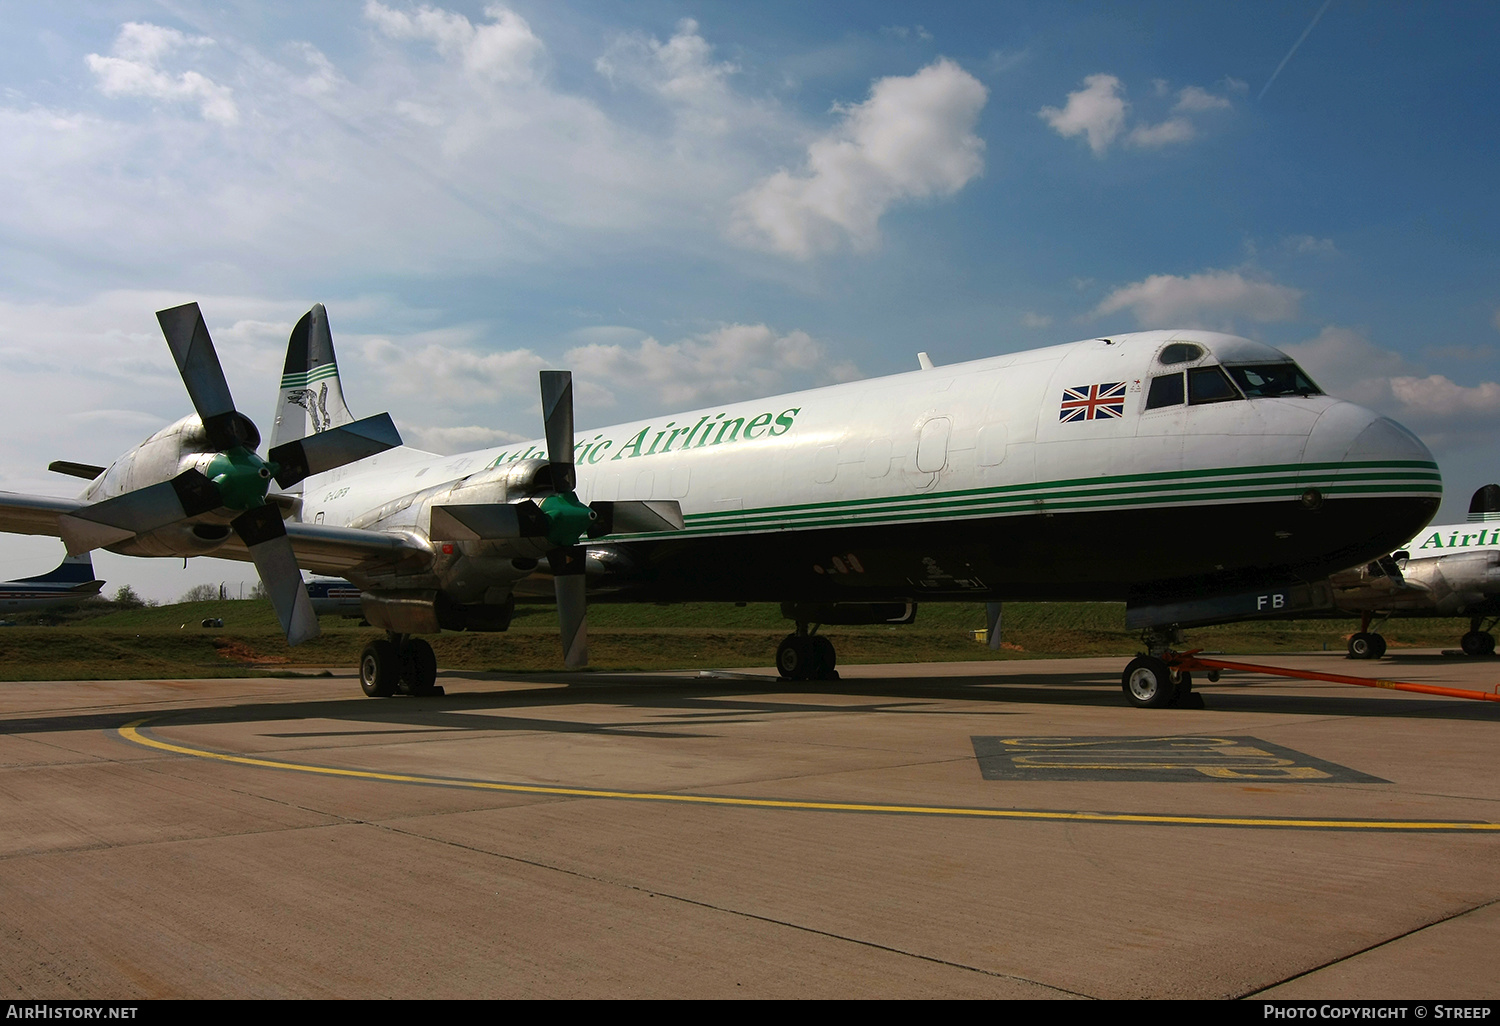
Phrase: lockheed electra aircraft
(1190,474)
(1452,570)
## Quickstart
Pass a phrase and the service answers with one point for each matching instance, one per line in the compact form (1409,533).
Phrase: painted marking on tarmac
(132,732)
(1156,758)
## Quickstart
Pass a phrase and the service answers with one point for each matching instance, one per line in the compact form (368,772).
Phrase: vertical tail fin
(311,399)
(77,569)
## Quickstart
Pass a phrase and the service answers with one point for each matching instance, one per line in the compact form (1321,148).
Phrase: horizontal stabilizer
(333,448)
(87,471)
(636,516)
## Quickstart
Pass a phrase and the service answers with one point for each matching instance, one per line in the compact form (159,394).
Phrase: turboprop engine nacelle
(468,573)
(175,449)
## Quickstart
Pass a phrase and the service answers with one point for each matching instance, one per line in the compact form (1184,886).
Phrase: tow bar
(1193,661)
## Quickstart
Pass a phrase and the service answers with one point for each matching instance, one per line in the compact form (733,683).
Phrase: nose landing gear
(1479,641)
(1367,644)
(1150,683)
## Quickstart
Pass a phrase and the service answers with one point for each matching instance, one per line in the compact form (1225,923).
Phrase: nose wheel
(1366,645)
(1478,643)
(1151,682)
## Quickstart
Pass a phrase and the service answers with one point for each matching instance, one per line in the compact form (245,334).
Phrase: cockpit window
(1272,379)
(1180,352)
(1209,385)
(1165,391)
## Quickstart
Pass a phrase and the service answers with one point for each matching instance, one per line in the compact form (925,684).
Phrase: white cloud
(1173,130)
(1035,320)
(135,69)
(465,438)
(500,50)
(1310,244)
(736,361)
(1096,111)
(1195,98)
(1211,298)
(682,74)
(1448,416)
(912,139)
(445,363)
(446,146)
(1099,112)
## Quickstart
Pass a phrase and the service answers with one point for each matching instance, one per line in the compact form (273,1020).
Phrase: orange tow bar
(1193,661)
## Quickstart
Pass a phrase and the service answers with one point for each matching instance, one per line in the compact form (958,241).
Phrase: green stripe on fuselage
(1170,488)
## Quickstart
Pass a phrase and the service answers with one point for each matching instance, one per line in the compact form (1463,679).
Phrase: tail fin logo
(316,405)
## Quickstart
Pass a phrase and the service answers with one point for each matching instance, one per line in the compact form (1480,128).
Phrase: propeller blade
(635,516)
(198,363)
(265,536)
(557,418)
(570,585)
(487,521)
(992,621)
(328,450)
(187,495)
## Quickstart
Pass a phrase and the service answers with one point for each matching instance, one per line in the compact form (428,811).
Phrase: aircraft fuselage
(1059,473)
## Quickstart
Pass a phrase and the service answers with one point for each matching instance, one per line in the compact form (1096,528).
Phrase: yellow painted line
(130,732)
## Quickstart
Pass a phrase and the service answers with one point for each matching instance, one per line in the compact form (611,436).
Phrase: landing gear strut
(1479,641)
(1149,683)
(401,663)
(806,655)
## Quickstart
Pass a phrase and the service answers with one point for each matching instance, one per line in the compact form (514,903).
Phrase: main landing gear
(1365,643)
(1149,683)
(806,655)
(398,663)
(1479,641)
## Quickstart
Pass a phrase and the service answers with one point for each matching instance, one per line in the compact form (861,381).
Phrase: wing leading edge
(320,548)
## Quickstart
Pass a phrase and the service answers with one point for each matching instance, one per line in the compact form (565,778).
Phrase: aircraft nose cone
(1349,433)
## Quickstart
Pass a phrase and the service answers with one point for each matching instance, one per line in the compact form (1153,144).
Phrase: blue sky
(695,202)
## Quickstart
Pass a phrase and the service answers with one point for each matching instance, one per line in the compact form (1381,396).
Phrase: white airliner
(71,580)
(1188,473)
(1450,570)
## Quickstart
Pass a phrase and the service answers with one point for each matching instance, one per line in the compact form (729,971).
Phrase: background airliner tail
(72,570)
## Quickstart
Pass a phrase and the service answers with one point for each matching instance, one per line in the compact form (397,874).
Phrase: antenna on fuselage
(924,361)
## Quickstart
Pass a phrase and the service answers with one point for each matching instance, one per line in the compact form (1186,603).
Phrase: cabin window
(1180,352)
(1165,391)
(992,445)
(1209,385)
(826,464)
(1272,379)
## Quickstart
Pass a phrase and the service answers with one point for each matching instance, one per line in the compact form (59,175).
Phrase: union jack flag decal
(1093,402)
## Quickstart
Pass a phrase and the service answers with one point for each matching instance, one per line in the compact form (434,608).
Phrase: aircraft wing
(320,548)
(34,514)
(337,550)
